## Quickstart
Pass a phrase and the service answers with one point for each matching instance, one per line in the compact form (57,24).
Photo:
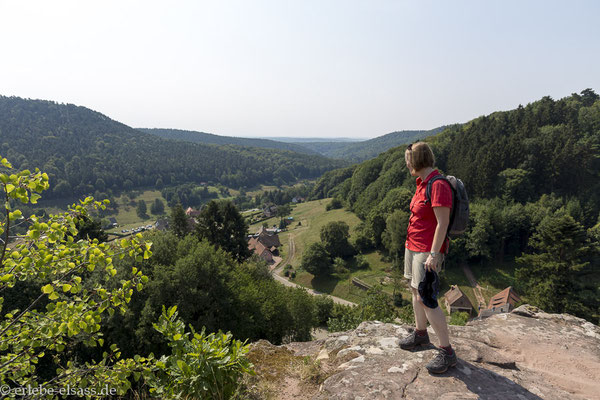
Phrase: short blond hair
(420,155)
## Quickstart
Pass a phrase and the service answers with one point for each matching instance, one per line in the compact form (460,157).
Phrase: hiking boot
(412,340)
(441,362)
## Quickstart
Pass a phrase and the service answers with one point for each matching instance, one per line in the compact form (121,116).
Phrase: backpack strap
(452,190)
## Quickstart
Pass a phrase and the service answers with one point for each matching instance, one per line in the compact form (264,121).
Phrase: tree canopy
(222,225)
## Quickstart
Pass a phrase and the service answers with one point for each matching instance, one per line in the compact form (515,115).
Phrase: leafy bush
(377,306)
(399,300)
(363,242)
(407,314)
(334,204)
(459,318)
(339,266)
(39,336)
(360,262)
(334,237)
(200,365)
(324,306)
(344,318)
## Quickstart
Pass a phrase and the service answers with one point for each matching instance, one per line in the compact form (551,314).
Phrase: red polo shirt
(422,222)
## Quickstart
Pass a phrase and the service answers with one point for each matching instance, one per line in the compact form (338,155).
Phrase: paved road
(291,254)
(312,291)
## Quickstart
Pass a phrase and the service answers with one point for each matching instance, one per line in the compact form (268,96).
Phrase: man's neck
(424,173)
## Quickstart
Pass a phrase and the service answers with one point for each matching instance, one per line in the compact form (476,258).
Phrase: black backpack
(459,214)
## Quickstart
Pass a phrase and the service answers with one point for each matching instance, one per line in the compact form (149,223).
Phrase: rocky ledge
(527,354)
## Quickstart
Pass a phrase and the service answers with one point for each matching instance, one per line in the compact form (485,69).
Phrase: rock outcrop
(527,354)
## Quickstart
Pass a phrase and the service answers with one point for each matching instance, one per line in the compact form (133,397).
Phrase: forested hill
(357,151)
(546,147)
(208,138)
(84,152)
(364,150)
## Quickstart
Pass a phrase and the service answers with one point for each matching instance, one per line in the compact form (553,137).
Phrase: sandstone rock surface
(527,354)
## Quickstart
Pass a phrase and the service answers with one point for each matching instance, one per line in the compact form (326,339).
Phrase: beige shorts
(414,266)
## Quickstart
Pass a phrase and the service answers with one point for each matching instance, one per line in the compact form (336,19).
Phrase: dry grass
(280,374)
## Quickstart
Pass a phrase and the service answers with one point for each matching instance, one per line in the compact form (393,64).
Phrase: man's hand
(431,263)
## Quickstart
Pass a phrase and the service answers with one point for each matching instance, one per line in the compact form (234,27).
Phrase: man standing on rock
(426,245)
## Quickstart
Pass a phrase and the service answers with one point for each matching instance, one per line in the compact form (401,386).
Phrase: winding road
(290,256)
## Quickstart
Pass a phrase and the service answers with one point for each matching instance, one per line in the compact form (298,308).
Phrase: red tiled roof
(508,295)
(252,243)
(190,212)
(269,240)
(454,294)
(259,248)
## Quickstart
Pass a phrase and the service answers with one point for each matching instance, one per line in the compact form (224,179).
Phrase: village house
(265,244)
(269,239)
(112,223)
(161,224)
(260,250)
(456,301)
(191,217)
(502,302)
(190,212)
(270,211)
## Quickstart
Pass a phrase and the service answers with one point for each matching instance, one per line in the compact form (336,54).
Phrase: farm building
(456,300)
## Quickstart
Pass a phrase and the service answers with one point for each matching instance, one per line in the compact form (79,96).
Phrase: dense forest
(84,152)
(532,175)
(208,138)
(360,151)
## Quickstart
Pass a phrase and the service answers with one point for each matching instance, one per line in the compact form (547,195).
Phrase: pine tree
(142,209)
(221,224)
(157,207)
(179,222)
(549,274)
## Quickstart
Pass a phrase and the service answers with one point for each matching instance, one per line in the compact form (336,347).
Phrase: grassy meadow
(492,277)
(312,216)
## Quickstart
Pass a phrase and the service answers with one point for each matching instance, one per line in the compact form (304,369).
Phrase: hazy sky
(298,68)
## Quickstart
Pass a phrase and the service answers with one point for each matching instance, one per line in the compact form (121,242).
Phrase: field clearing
(263,188)
(269,188)
(494,276)
(127,217)
(313,216)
